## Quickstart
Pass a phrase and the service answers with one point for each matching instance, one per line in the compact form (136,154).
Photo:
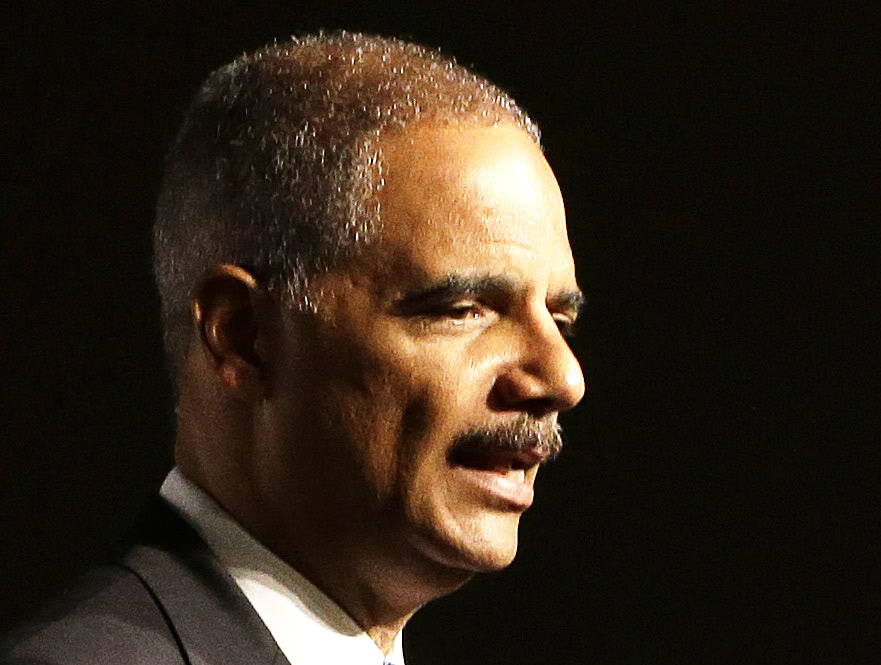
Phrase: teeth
(517,474)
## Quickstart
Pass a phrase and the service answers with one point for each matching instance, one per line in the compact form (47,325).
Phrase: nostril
(503,400)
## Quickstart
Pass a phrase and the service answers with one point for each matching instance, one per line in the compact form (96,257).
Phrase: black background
(718,499)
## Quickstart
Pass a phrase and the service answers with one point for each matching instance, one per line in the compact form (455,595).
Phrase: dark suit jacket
(165,601)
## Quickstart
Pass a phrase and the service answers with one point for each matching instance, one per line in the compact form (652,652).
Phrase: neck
(379,588)
(384,636)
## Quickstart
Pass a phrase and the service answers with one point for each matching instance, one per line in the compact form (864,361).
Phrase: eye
(455,305)
(460,311)
(457,316)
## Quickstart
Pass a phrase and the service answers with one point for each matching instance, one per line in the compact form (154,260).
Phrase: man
(366,282)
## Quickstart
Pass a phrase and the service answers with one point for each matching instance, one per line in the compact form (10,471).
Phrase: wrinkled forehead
(469,194)
(443,175)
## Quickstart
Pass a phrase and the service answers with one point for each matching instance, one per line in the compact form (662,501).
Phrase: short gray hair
(277,160)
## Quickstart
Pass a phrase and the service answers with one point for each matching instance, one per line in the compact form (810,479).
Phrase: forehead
(472,198)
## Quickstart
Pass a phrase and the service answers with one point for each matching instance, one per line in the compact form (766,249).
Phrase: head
(374,254)
(277,160)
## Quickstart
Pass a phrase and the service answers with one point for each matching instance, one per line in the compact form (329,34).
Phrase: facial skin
(353,462)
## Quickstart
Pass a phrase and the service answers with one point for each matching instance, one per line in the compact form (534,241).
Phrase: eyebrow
(450,287)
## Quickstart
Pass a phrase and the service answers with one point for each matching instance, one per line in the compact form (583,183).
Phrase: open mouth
(502,478)
(503,462)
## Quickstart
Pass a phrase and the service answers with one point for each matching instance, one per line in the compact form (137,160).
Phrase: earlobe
(228,310)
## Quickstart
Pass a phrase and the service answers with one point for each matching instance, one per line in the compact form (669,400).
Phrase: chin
(476,546)
(489,562)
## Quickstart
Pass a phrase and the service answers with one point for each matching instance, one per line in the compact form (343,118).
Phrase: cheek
(400,422)
(437,408)
(447,387)
(397,402)
(378,406)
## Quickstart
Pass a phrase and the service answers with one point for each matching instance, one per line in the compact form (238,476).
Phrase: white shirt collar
(307,625)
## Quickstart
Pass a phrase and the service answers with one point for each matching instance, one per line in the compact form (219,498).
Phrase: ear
(229,311)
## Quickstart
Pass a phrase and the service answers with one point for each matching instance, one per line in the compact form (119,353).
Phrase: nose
(543,375)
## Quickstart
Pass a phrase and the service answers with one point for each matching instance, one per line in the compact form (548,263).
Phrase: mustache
(522,435)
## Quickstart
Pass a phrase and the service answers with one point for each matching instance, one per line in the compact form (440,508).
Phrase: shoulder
(108,616)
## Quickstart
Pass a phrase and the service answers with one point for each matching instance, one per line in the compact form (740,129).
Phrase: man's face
(416,406)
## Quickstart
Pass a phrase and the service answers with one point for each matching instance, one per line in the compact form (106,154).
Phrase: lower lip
(514,493)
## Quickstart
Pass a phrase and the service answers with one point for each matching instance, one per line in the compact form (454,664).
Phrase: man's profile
(366,283)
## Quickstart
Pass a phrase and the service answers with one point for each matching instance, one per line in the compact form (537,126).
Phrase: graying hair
(278,157)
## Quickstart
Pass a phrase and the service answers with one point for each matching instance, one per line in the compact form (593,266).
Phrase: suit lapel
(214,622)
